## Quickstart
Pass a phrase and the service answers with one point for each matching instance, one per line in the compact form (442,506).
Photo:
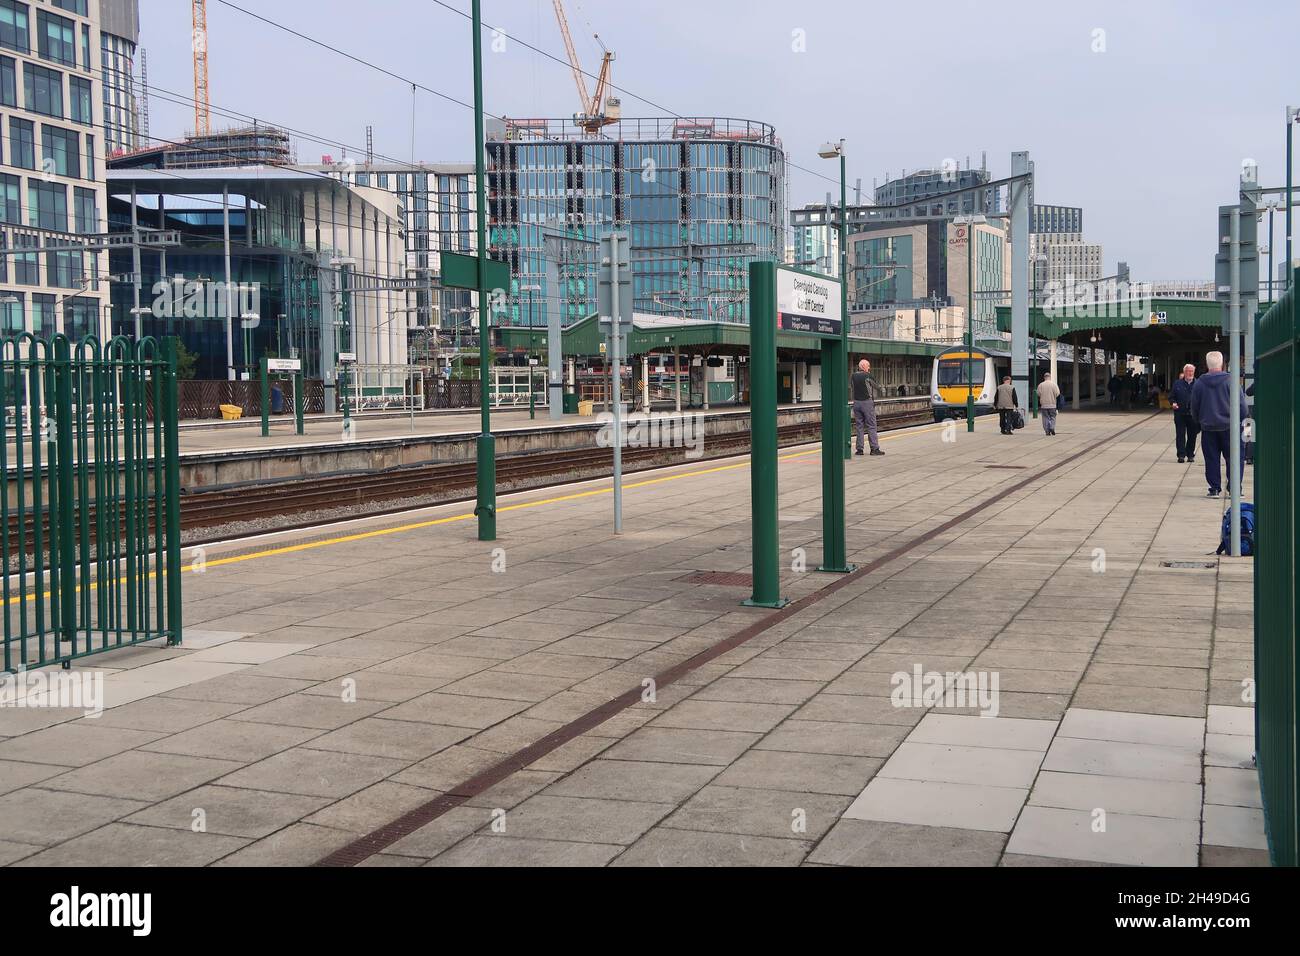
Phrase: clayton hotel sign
(807,303)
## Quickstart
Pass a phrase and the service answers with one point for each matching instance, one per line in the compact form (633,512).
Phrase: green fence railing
(90,516)
(1277,399)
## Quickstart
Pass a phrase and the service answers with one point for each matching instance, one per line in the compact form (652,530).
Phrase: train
(950,385)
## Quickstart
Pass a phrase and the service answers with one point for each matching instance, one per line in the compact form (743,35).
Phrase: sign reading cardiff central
(807,303)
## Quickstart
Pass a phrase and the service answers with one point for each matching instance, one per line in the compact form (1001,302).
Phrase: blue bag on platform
(1247,530)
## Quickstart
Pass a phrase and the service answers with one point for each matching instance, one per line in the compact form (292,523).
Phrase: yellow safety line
(415,526)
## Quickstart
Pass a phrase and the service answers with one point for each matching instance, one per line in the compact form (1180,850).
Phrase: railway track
(444,481)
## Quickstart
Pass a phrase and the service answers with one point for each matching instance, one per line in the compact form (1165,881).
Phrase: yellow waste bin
(231,412)
(586,407)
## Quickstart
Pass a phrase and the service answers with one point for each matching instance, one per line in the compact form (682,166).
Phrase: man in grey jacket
(1006,402)
(1048,394)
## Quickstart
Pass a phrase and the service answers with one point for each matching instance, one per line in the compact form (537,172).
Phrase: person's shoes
(1180,459)
(1191,460)
(858,452)
(1212,493)
(876,451)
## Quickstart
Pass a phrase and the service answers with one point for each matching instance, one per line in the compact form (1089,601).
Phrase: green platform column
(834,420)
(485,449)
(763,444)
(266,398)
(298,399)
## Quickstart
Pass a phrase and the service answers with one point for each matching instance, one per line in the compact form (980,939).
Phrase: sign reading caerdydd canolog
(283,365)
(807,303)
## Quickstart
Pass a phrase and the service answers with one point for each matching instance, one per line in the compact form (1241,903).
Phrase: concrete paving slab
(875,843)
(1128,838)
(927,803)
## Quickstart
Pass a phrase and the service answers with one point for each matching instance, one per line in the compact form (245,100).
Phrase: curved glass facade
(700,200)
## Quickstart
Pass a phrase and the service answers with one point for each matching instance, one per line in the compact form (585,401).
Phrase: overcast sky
(1133,110)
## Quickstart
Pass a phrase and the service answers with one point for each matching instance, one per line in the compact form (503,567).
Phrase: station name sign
(807,303)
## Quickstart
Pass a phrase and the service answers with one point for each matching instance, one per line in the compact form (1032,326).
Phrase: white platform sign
(807,303)
(283,365)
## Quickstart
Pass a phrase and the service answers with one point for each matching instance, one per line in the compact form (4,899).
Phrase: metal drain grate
(1190,565)
(724,578)
(1005,466)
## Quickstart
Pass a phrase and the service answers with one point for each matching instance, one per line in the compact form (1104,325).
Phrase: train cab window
(953,371)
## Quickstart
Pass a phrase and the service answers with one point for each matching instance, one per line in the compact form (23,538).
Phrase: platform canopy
(660,333)
(1146,327)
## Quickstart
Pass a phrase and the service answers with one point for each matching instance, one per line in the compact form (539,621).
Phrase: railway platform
(1038,661)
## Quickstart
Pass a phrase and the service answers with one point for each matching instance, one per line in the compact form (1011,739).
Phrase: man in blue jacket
(1185,426)
(1212,409)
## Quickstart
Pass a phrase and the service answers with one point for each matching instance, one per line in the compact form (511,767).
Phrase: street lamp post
(1033,339)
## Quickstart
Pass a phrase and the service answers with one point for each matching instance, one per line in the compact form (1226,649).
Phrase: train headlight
(937,398)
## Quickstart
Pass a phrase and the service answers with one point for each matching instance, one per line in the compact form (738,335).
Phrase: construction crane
(598,109)
(202,107)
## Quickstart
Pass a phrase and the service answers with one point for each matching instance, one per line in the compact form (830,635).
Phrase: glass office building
(437,206)
(700,199)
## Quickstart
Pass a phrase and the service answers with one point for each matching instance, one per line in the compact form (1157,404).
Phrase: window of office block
(56,38)
(47,205)
(22,143)
(44,90)
(13,26)
(79,91)
(85,213)
(8,82)
(60,151)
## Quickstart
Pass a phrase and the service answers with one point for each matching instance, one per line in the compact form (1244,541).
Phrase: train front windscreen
(953,371)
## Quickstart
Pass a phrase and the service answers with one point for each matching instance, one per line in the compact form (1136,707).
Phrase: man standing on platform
(1185,425)
(1006,402)
(1212,409)
(864,407)
(1048,395)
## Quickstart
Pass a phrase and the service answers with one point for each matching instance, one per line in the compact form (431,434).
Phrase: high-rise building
(119,34)
(1057,250)
(51,177)
(699,198)
(921,194)
(438,202)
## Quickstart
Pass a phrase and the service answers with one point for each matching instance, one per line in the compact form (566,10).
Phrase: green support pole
(763,444)
(836,445)
(266,399)
(297,400)
(486,508)
(532,398)
(844,311)
(1033,347)
(62,529)
(171,469)
(970,327)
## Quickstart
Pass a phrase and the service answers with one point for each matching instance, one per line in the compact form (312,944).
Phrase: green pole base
(486,508)
(970,415)
(754,602)
(847,569)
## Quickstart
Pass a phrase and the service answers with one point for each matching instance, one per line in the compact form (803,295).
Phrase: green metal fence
(90,523)
(1277,397)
